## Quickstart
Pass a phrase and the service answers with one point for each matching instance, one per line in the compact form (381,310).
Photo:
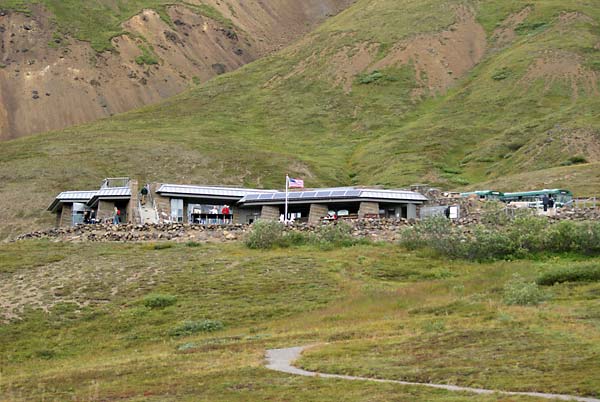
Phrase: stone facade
(105,210)
(163,204)
(269,213)
(317,213)
(368,208)
(133,212)
(66,216)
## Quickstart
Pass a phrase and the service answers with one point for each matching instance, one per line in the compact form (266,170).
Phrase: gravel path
(282,360)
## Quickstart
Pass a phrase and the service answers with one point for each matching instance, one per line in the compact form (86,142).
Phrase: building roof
(209,191)
(110,193)
(71,196)
(335,194)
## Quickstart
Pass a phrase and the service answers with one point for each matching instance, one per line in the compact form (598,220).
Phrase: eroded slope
(50,81)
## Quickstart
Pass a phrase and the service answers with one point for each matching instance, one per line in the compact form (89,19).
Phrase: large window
(176,210)
(78,213)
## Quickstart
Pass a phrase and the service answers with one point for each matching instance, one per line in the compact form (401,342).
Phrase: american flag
(295,183)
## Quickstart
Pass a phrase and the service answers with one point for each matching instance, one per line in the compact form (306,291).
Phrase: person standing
(144,194)
(226,213)
(545,202)
(116,214)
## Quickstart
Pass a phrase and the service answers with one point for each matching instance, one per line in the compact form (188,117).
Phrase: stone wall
(317,212)
(105,210)
(163,204)
(270,213)
(368,208)
(133,212)
(66,216)
(375,229)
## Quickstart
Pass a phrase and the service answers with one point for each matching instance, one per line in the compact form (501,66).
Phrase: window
(78,212)
(176,210)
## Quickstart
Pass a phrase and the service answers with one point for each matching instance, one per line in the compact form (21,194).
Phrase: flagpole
(287,184)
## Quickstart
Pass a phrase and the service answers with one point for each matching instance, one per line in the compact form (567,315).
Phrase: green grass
(385,312)
(147,58)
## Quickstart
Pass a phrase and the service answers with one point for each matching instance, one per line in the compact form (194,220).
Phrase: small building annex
(207,205)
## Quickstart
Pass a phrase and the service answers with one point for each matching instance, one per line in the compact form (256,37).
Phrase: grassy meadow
(192,322)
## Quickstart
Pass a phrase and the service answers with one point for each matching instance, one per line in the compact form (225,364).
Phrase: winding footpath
(282,360)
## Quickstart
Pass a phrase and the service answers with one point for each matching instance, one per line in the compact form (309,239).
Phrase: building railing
(112,182)
(591,202)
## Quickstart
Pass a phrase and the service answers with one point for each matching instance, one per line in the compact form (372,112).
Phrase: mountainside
(69,62)
(392,92)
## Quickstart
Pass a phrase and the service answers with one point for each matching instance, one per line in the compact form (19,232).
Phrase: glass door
(176,210)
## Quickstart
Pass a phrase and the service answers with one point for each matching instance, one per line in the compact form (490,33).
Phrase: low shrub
(265,234)
(574,160)
(194,327)
(192,243)
(502,74)
(162,246)
(338,233)
(45,354)
(586,273)
(520,292)
(268,234)
(370,77)
(503,237)
(529,28)
(569,236)
(159,301)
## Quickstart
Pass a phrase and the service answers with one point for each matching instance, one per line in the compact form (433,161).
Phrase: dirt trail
(282,360)
(45,87)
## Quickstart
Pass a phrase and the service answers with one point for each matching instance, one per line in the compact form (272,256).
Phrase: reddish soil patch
(583,142)
(45,88)
(561,66)
(506,34)
(440,59)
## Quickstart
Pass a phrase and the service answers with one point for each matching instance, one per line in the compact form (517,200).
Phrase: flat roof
(110,193)
(335,195)
(71,196)
(209,191)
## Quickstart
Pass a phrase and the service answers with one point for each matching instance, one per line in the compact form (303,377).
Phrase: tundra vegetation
(101,321)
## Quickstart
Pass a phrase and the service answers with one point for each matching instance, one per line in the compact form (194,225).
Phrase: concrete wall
(317,212)
(411,211)
(270,213)
(368,208)
(66,216)
(243,215)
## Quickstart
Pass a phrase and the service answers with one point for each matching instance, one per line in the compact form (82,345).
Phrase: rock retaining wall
(376,229)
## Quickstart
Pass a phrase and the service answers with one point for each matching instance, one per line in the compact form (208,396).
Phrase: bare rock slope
(48,83)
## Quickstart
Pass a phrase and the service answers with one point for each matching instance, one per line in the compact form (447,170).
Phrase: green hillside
(98,21)
(392,92)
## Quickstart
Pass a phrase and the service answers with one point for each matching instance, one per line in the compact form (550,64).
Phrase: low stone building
(208,205)
(77,207)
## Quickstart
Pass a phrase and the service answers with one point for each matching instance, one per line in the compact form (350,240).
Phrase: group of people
(91,217)
(547,202)
(215,215)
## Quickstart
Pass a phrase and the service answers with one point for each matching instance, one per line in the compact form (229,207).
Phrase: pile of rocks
(147,232)
(377,229)
(577,214)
